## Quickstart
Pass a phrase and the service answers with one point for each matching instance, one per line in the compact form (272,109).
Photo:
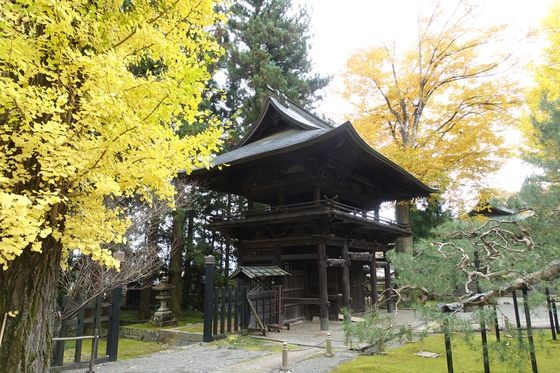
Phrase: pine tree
(268,44)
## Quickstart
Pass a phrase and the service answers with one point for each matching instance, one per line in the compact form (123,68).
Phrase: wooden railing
(97,316)
(326,205)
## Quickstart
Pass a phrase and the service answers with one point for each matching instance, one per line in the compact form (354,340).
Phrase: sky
(340,27)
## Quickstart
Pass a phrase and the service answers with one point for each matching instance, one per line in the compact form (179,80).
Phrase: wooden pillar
(278,256)
(376,212)
(388,291)
(373,279)
(241,254)
(323,291)
(209,270)
(113,332)
(346,276)
(316,194)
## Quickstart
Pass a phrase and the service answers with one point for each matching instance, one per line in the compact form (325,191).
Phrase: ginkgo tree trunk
(92,92)
(436,109)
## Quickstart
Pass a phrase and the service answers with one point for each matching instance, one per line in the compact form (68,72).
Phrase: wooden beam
(260,258)
(282,242)
(359,256)
(323,294)
(294,300)
(335,262)
(299,256)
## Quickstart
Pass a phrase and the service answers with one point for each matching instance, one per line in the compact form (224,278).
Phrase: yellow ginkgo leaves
(83,122)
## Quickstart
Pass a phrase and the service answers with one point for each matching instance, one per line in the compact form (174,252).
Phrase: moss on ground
(245,342)
(190,321)
(128,349)
(465,359)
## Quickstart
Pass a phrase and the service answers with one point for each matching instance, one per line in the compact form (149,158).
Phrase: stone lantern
(163,316)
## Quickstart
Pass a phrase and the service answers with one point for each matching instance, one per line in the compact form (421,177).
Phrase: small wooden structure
(313,192)
(265,295)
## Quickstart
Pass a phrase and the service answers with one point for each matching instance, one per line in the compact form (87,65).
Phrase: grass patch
(129,315)
(191,328)
(239,341)
(190,321)
(465,359)
(128,349)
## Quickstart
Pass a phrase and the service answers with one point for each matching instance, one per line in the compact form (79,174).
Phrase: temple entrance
(313,194)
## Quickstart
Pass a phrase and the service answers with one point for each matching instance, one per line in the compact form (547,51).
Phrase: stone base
(163,319)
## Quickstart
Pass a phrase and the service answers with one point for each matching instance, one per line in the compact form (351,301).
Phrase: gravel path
(201,358)
(197,358)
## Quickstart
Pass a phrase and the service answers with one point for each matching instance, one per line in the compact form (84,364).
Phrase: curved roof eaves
(293,114)
(349,128)
(271,144)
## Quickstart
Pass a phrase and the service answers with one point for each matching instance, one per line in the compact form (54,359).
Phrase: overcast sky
(341,26)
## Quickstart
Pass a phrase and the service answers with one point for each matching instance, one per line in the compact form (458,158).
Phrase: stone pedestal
(163,316)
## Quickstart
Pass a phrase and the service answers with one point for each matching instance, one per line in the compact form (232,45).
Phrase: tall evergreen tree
(267,43)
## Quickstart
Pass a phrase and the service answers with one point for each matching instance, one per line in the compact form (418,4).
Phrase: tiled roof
(259,271)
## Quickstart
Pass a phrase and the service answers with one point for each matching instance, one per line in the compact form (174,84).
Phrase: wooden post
(517,319)
(323,292)
(496,323)
(222,309)
(448,352)
(316,194)
(555,313)
(279,306)
(388,291)
(113,333)
(98,310)
(485,356)
(245,316)
(236,310)
(79,332)
(376,212)
(94,346)
(529,331)
(58,353)
(278,256)
(210,268)
(373,279)
(346,277)
(229,310)
(550,314)
(214,312)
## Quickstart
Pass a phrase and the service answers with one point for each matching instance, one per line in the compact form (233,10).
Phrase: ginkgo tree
(438,108)
(92,96)
(542,126)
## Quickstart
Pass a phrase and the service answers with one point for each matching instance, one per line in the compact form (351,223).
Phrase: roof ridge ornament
(279,96)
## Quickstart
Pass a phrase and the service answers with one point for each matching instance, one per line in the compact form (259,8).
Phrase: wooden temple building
(314,192)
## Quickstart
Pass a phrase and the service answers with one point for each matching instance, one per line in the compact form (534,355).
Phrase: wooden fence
(519,329)
(101,316)
(229,311)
